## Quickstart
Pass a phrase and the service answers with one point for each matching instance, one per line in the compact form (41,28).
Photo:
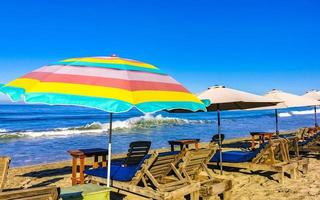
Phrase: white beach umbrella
(288,101)
(315,95)
(222,98)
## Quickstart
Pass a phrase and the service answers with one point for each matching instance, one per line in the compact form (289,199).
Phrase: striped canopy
(111,84)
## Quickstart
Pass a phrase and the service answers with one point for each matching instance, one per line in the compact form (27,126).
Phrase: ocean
(34,134)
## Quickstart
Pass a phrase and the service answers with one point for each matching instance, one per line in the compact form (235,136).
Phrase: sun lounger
(4,167)
(293,148)
(271,156)
(137,151)
(308,144)
(194,168)
(155,177)
(39,193)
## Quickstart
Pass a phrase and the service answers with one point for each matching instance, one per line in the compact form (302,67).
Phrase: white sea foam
(297,112)
(286,114)
(303,112)
(146,121)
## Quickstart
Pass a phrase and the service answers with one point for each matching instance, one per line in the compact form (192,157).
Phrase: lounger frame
(152,180)
(274,157)
(39,193)
(4,168)
(194,168)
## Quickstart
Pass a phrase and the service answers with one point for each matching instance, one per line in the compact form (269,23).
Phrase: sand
(246,184)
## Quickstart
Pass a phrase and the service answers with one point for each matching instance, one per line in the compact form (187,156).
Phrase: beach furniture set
(306,140)
(166,175)
(271,156)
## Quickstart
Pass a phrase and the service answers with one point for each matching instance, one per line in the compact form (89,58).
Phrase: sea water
(34,134)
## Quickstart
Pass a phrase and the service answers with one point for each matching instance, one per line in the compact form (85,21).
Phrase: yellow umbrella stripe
(133,97)
(114,60)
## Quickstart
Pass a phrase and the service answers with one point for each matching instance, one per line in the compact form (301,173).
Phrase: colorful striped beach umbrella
(111,84)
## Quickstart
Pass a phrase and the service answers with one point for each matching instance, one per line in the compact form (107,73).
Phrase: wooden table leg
(82,169)
(74,170)
(196,145)
(252,142)
(96,162)
(181,147)
(104,161)
(172,147)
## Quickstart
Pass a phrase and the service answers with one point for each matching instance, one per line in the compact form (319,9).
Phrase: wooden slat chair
(194,168)
(39,193)
(302,133)
(271,156)
(136,152)
(4,168)
(309,144)
(155,177)
(291,145)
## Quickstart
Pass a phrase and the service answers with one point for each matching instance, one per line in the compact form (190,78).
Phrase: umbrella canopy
(290,100)
(312,94)
(223,98)
(111,84)
(315,95)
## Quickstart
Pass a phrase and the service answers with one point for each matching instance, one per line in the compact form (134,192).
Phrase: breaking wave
(297,112)
(142,122)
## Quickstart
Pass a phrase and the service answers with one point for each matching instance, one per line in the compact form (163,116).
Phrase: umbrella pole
(277,122)
(315,117)
(220,143)
(109,150)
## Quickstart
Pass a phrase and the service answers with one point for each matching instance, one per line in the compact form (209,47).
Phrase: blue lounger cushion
(237,156)
(234,156)
(309,139)
(119,172)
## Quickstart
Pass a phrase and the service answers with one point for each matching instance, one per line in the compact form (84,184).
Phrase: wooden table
(81,154)
(184,142)
(261,137)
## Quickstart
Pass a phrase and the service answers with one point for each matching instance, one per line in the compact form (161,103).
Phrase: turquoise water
(33,134)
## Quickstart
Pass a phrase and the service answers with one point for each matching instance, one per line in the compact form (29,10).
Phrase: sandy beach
(246,185)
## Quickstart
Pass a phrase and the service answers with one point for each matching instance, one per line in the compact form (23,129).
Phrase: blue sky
(245,44)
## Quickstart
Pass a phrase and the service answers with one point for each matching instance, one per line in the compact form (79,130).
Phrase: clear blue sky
(245,44)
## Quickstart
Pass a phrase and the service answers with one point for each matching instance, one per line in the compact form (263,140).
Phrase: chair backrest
(195,161)
(293,144)
(275,151)
(303,133)
(215,138)
(4,168)
(39,193)
(157,167)
(163,164)
(137,151)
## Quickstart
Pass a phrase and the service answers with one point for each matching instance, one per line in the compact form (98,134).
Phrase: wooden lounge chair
(4,168)
(307,144)
(155,177)
(39,193)
(271,156)
(194,168)
(292,145)
(136,152)
(307,132)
